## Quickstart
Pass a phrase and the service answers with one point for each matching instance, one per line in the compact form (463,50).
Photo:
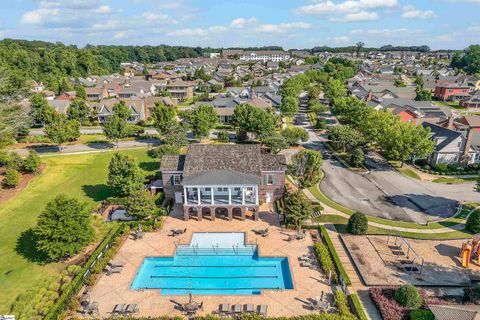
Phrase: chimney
(468,143)
(369,96)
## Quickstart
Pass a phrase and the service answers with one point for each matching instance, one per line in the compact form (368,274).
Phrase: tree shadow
(101,145)
(26,247)
(436,206)
(97,192)
(149,166)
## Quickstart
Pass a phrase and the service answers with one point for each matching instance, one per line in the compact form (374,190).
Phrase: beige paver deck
(308,282)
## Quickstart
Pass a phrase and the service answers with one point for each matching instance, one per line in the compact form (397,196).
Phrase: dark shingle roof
(172,162)
(274,162)
(437,131)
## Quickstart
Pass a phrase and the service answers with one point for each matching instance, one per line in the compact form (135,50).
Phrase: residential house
(472,102)
(264,56)
(69,95)
(180,90)
(453,92)
(96,94)
(452,147)
(137,107)
(223,180)
(60,106)
(413,111)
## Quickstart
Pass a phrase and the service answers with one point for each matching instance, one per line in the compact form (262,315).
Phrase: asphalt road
(384,192)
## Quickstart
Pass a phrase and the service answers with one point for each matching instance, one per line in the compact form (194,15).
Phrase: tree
(317,108)
(297,208)
(477,185)
(41,111)
(289,105)
(121,110)
(345,137)
(293,135)
(11,179)
(359,45)
(275,142)
(306,167)
(473,222)
(115,128)
(399,83)
(423,94)
(124,175)
(176,136)
(358,224)
(32,161)
(79,110)
(80,92)
(140,205)
(64,228)
(469,61)
(334,89)
(164,117)
(250,119)
(203,119)
(64,86)
(61,130)
(163,150)
(357,157)
(408,297)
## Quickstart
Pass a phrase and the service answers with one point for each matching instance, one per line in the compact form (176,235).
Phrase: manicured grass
(453,105)
(453,180)
(78,175)
(434,225)
(409,173)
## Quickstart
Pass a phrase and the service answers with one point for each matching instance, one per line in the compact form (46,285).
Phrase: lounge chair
(249,308)
(224,309)
(262,310)
(237,308)
(118,309)
(92,308)
(131,308)
(116,264)
(110,270)
(305,264)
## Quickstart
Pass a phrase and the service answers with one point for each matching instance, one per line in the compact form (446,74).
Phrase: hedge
(61,305)
(357,307)
(342,304)
(336,258)
(325,260)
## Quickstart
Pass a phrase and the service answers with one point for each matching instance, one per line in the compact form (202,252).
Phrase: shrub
(15,161)
(4,156)
(473,222)
(357,307)
(472,295)
(326,262)
(32,162)
(421,314)
(358,223)
(409,297)
(335,257)
(342,304)
(384,299)
(12,178)
(442,167)
(223,135)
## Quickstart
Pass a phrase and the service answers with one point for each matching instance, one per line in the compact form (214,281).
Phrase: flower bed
(390,309)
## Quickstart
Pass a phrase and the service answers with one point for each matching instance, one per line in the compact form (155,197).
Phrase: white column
(256,195)
(243,195)
(198,196)
(185,195)
(211,194)
(229,195)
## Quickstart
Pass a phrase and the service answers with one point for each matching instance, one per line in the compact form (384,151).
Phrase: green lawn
(81,176)
(453,180)
(409,173)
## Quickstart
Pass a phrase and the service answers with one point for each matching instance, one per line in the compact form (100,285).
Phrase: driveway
(384,192)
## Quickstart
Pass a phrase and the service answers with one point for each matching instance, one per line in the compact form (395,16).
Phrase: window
(236,188)
(459,144)
(269,179)
(177,179)
(219,189)
(249,188)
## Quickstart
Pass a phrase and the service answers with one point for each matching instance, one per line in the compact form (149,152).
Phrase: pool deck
(308,282)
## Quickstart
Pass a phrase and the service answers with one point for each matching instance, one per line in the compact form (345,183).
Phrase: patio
(115,289)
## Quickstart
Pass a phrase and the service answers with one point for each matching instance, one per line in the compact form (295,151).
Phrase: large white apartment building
(271,55)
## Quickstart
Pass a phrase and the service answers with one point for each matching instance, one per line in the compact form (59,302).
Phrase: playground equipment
(470,250)
(410,261)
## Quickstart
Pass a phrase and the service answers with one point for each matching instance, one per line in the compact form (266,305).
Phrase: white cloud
(217,29)
(120,35)
(188,32)
(410,12)
(347,6)
(103,10)
(38,16)
(380,32)
(284,27)
(339,39)
(359,17)
(242,22)
(106,26)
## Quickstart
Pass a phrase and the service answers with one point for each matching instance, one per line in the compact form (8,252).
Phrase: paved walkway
(330,210)
(357,285)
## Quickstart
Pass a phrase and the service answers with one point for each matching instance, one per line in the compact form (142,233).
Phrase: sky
(440,24)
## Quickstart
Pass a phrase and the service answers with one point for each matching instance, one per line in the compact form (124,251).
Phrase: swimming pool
(209,266)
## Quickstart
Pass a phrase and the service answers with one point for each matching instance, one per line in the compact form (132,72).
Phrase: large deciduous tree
(61,130)
(124,175)
(334,89)
(297,208)
(79,110)
(115,128)
(202,119)
(40,110)
(289,106)
(141,205)
(306,167)
(250,119)
(164,117)
(64,228)
(294,135)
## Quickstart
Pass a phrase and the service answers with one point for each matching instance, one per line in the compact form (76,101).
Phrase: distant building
(211,55)
(264,56)
(452,92)
(230,53)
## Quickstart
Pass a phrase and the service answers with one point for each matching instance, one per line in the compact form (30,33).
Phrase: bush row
(342,304)
(336,258)
(445,169)
(84,276)
(357,307)
(326,262)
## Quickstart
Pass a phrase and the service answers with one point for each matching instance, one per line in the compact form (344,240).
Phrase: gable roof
(221,177)
(437,131)
(172,162)
(448,312)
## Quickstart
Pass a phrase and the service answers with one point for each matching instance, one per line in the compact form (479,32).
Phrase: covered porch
(223,212)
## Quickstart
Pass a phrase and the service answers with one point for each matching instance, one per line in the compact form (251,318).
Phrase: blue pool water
(214,269)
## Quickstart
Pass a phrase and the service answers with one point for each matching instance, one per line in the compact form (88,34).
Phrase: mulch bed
(25,178)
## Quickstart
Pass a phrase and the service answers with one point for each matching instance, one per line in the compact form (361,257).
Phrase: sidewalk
(357,285)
